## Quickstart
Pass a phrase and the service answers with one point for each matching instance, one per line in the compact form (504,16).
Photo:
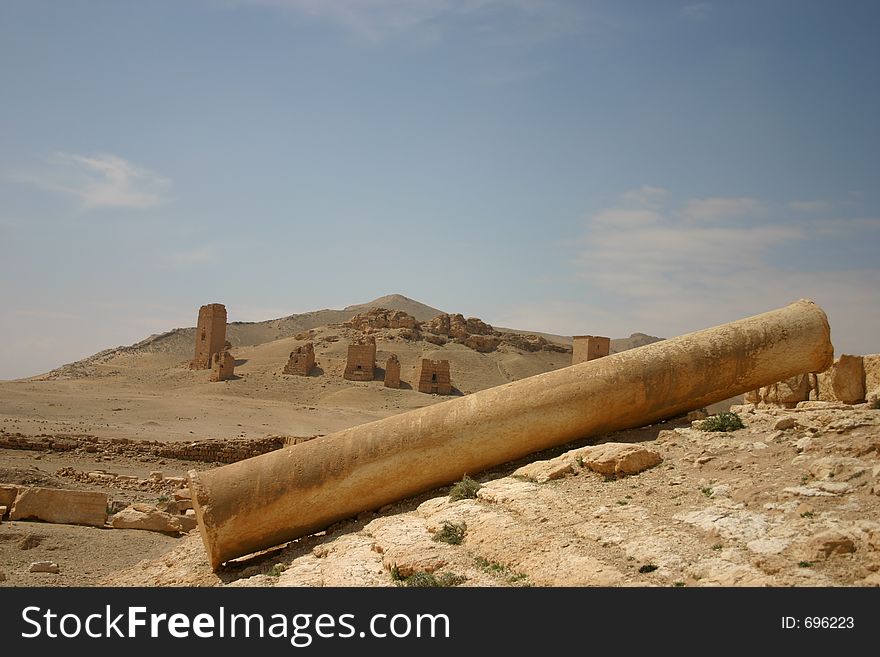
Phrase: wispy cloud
(100,181)
(431,20)
(665,273)
(720,207)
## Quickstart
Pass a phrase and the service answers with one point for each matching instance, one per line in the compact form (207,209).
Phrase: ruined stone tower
(589,347)
(301,361)
(361,362)
(210,335)
(433,377)
(222,366)
(392,372)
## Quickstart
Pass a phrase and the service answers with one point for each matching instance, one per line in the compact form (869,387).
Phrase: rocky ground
(792,499)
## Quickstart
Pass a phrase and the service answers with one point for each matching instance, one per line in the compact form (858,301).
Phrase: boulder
(7,495)
(58,505)
(44,567)
(826,544)
(148,518)
(844,381)
(614,459)
(482,343)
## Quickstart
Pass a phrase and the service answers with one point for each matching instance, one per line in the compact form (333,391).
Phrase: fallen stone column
(273,498)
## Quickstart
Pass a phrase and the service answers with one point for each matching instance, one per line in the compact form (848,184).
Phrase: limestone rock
(621,458)
(382,318)
(476,326)
(482,343)
(7,495)
(871,363)
(826,544)
(838,468)
(405,544)
(58,505)
(844,381)
(785,423)
(544,471)
(44,567)
(147,517)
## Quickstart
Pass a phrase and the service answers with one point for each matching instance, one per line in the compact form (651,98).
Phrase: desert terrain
(789,499)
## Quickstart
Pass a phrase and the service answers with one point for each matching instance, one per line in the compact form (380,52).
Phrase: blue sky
(572,167)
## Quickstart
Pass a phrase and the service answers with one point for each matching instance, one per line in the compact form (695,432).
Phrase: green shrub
(429,580)
(451,533)
(722,422)
(466,489)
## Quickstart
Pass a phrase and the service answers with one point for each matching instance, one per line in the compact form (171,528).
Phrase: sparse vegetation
(647,568)
(622,502)
(452,533)
(805,564)
(500,570)
(276,570)
(722,422)
(424,579)
(807,514)
(678,584)
(707,491)
(717,547)
(465,489)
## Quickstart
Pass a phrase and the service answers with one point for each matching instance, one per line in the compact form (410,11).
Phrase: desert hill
(177,344)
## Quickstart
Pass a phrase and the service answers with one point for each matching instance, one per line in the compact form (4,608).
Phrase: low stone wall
(207,451)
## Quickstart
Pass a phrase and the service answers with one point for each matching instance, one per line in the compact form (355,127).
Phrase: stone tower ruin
(392,372)
(589,347)
(222,366)
(301,361)
(433,377)
(361,362)
(210,335)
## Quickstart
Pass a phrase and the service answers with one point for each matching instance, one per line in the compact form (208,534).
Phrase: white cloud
(426,20)
(645,196)
(720,207)
(672,275)
(101,181)
(810,206)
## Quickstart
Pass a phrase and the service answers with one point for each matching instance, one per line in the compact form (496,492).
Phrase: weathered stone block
(147,517)
(621,458)
(58,505)
(7,495)
(871,363)
(844,381)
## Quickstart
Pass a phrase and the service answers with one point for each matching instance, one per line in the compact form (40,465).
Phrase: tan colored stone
(844,381)
(360,365)
(615,459)
(589,347)
(7,495)
(392,372)
(148,518)
(544,471)
(302,489)
(210,335)
(301,360)
(58,505)
(222,366)
(44,567)
(871,363)
(826,544)
(785,423)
